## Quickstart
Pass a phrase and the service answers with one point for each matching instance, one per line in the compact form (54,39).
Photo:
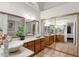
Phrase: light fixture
(47,23)
(29,17)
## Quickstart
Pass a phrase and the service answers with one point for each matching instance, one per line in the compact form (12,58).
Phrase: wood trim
(11,14)
(62,15)
(66,15)
(77,29)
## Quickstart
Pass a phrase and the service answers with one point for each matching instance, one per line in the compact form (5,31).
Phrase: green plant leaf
(20,31)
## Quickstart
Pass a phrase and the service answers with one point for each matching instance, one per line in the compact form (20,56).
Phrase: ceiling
(45,5)
(33,5)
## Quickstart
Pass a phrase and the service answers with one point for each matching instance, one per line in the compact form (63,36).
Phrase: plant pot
(22,37)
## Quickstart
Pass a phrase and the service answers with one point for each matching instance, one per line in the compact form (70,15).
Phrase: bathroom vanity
(37,44)
(32,45)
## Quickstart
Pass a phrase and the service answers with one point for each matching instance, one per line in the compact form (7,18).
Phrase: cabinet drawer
(42,43)
(25,45)
(47,40)
(31,47)
(37,41)
(37,47)
(42,39)
(61,38)
(30,43)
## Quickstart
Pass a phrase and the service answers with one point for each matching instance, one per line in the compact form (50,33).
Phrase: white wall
(48,5)
(18,8)
(60,10)
(3,22)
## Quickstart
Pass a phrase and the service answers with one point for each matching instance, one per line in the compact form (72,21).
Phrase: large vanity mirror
(9,23)
(63,29)
(32,28)
(13,24)
(49,26)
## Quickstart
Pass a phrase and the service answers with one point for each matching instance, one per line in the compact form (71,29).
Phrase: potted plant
(51,29)
(20,32)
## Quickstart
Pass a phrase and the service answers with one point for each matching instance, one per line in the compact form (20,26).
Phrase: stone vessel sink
(15,45)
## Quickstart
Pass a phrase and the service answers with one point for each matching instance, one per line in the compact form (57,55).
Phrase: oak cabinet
(47,40)
(51,39)
(29,45)
(42,43)
(25,45)
(37,46)
(59,38)
(55,38)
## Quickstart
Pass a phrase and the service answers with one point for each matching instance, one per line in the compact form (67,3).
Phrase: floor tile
(56,48)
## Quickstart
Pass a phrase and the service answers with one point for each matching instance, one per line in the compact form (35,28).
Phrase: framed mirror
(32,28)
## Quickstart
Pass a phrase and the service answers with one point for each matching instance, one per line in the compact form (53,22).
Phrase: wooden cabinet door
(25,45)
(61,38)
(54,37)
(37,46)
(42,43)
(29,45)
(47,40)
(58,38)
(50,40)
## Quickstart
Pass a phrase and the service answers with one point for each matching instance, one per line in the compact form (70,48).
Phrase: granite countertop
(52,34)
(23,52)
(28,39)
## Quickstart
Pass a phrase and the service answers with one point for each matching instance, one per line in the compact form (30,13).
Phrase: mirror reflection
(63,29)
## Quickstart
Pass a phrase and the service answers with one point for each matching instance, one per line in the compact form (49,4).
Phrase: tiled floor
(54,50)
(68,48)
